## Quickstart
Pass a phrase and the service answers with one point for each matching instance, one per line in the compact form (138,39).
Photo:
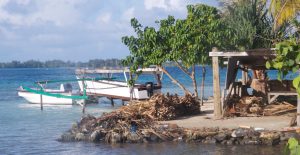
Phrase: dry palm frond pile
(136,121)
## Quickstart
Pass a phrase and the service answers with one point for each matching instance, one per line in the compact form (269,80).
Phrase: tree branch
(175,81)
(183,69)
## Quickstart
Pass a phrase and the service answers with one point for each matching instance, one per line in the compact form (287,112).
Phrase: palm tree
(284,10)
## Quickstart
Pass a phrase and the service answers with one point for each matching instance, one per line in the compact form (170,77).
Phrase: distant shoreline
(61,64)
(94,63)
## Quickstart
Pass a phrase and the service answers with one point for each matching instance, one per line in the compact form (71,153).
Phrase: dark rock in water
(231,141)
(221,137)
(75,127)
(133,138)
(224,142)
(241,141)
(115,137)
(210,140)
(270,138)
(67,137)
(80,137)
(286,136)
(153,138)
(239,133)
(252,141)
(96,136)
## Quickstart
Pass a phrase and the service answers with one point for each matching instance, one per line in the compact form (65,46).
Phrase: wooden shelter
(250,60)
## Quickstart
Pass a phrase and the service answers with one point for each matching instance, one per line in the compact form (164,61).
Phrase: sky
(77,30)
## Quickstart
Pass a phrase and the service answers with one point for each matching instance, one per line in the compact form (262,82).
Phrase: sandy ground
(206,119)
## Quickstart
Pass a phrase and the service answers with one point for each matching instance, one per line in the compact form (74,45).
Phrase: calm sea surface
(25,129)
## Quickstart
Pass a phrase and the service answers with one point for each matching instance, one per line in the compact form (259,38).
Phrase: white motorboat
(109,87)
(62,96)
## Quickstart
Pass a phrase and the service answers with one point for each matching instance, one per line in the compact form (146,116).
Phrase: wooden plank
(216,85)
(254,52)
(151,70)
(279,93)
(283,111)
(272,98)
(283,93)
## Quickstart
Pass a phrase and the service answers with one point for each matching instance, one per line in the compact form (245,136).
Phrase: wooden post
(112,102)
(216,84)
(83,106)
(41,100)
(298,110)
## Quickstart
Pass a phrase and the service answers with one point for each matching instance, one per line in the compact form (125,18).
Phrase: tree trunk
(176,82)
(193,77)
(202,84)
(131,87)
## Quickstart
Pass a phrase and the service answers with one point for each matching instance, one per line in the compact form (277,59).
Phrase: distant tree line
(95,63)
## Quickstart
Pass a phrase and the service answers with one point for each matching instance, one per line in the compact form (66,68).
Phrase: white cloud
(150,4)
(9,35)
(128,14)
(56,29)
(57,12)
(176,4)
(23,2)
(3,2)
(104,18)
(48,38)
(165,4)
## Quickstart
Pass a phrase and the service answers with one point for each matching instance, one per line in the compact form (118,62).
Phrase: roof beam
(254,52)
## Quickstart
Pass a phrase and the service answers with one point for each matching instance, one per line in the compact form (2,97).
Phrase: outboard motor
(150,88)
(67,87)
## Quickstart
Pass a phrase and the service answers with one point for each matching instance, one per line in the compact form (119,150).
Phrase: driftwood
(272,109)
(256,106)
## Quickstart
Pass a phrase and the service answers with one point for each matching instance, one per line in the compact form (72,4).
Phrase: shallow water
(25,129)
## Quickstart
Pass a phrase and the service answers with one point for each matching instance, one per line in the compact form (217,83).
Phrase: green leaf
(295,69)
(285,51)
(298,58)
(278,65)
(291,62)
(296,82)
(279,75)
(268,65)
(292,143)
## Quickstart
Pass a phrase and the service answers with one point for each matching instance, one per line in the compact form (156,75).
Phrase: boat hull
(36,98)
(114,89)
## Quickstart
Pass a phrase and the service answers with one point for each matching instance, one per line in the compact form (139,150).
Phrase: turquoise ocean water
(25,129)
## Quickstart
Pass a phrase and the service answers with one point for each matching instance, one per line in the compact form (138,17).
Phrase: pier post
(216,85)
(83,106)
(41,101)
(112,102)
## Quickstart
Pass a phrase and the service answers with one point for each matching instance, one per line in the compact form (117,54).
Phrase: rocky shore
(138,123)
(171,132)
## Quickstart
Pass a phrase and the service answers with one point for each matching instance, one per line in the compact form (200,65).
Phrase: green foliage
(185,41)
(249,25)
(287,59)
(292,147)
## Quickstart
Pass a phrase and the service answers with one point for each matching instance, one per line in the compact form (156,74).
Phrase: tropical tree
(183,41)
(249,23)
